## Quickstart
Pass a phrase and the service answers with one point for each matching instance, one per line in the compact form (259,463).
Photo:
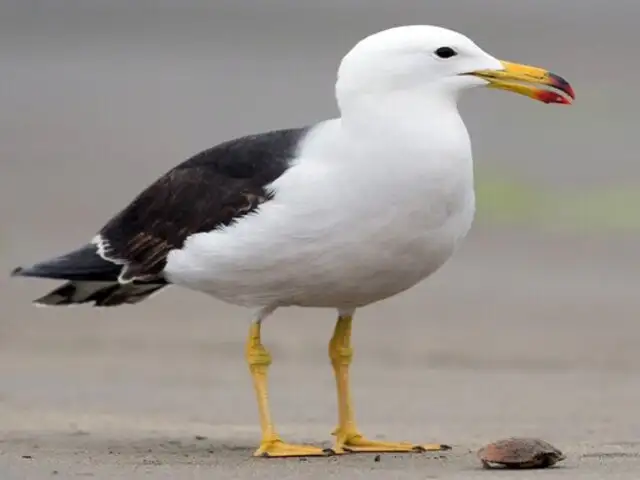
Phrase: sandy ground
(526,331)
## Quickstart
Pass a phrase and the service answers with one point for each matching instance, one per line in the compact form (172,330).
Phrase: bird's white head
(428,61)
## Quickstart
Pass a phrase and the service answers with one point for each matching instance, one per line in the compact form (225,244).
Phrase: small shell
(520,453)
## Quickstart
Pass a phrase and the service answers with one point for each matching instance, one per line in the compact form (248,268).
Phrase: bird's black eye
(446,52)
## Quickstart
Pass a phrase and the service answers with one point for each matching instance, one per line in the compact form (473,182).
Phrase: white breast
(340,232)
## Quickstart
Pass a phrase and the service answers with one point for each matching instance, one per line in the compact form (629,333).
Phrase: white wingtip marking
(103,246)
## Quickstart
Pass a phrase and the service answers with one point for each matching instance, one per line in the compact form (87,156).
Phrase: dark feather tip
(16,271)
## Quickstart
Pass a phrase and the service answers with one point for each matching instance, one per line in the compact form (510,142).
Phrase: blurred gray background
(99,97)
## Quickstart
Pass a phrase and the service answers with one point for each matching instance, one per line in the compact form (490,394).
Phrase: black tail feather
(100,294)
(83,264)
(91,279)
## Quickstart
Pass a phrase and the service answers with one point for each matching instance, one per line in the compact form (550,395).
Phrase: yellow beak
(532,82)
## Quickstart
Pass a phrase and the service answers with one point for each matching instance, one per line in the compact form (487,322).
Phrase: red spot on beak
(547,96)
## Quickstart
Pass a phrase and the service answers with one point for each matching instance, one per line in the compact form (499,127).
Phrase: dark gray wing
(208,191)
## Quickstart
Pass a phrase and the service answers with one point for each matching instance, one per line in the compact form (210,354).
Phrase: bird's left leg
(348,437)
(271,445)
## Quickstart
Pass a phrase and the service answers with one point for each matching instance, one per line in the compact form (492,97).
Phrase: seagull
(339,214)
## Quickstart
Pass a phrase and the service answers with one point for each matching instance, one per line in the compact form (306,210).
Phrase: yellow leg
(348,438)
(271,445)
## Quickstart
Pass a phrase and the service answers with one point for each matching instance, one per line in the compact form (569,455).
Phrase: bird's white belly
(331,254)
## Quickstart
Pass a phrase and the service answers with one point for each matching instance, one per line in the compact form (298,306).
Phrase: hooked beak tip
(533,82)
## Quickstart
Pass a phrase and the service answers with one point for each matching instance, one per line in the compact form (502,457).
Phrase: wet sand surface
(527,331)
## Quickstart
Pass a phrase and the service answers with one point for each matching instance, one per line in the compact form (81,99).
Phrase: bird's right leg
(271,444)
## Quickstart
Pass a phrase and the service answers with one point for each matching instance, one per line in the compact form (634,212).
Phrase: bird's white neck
(428,123)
